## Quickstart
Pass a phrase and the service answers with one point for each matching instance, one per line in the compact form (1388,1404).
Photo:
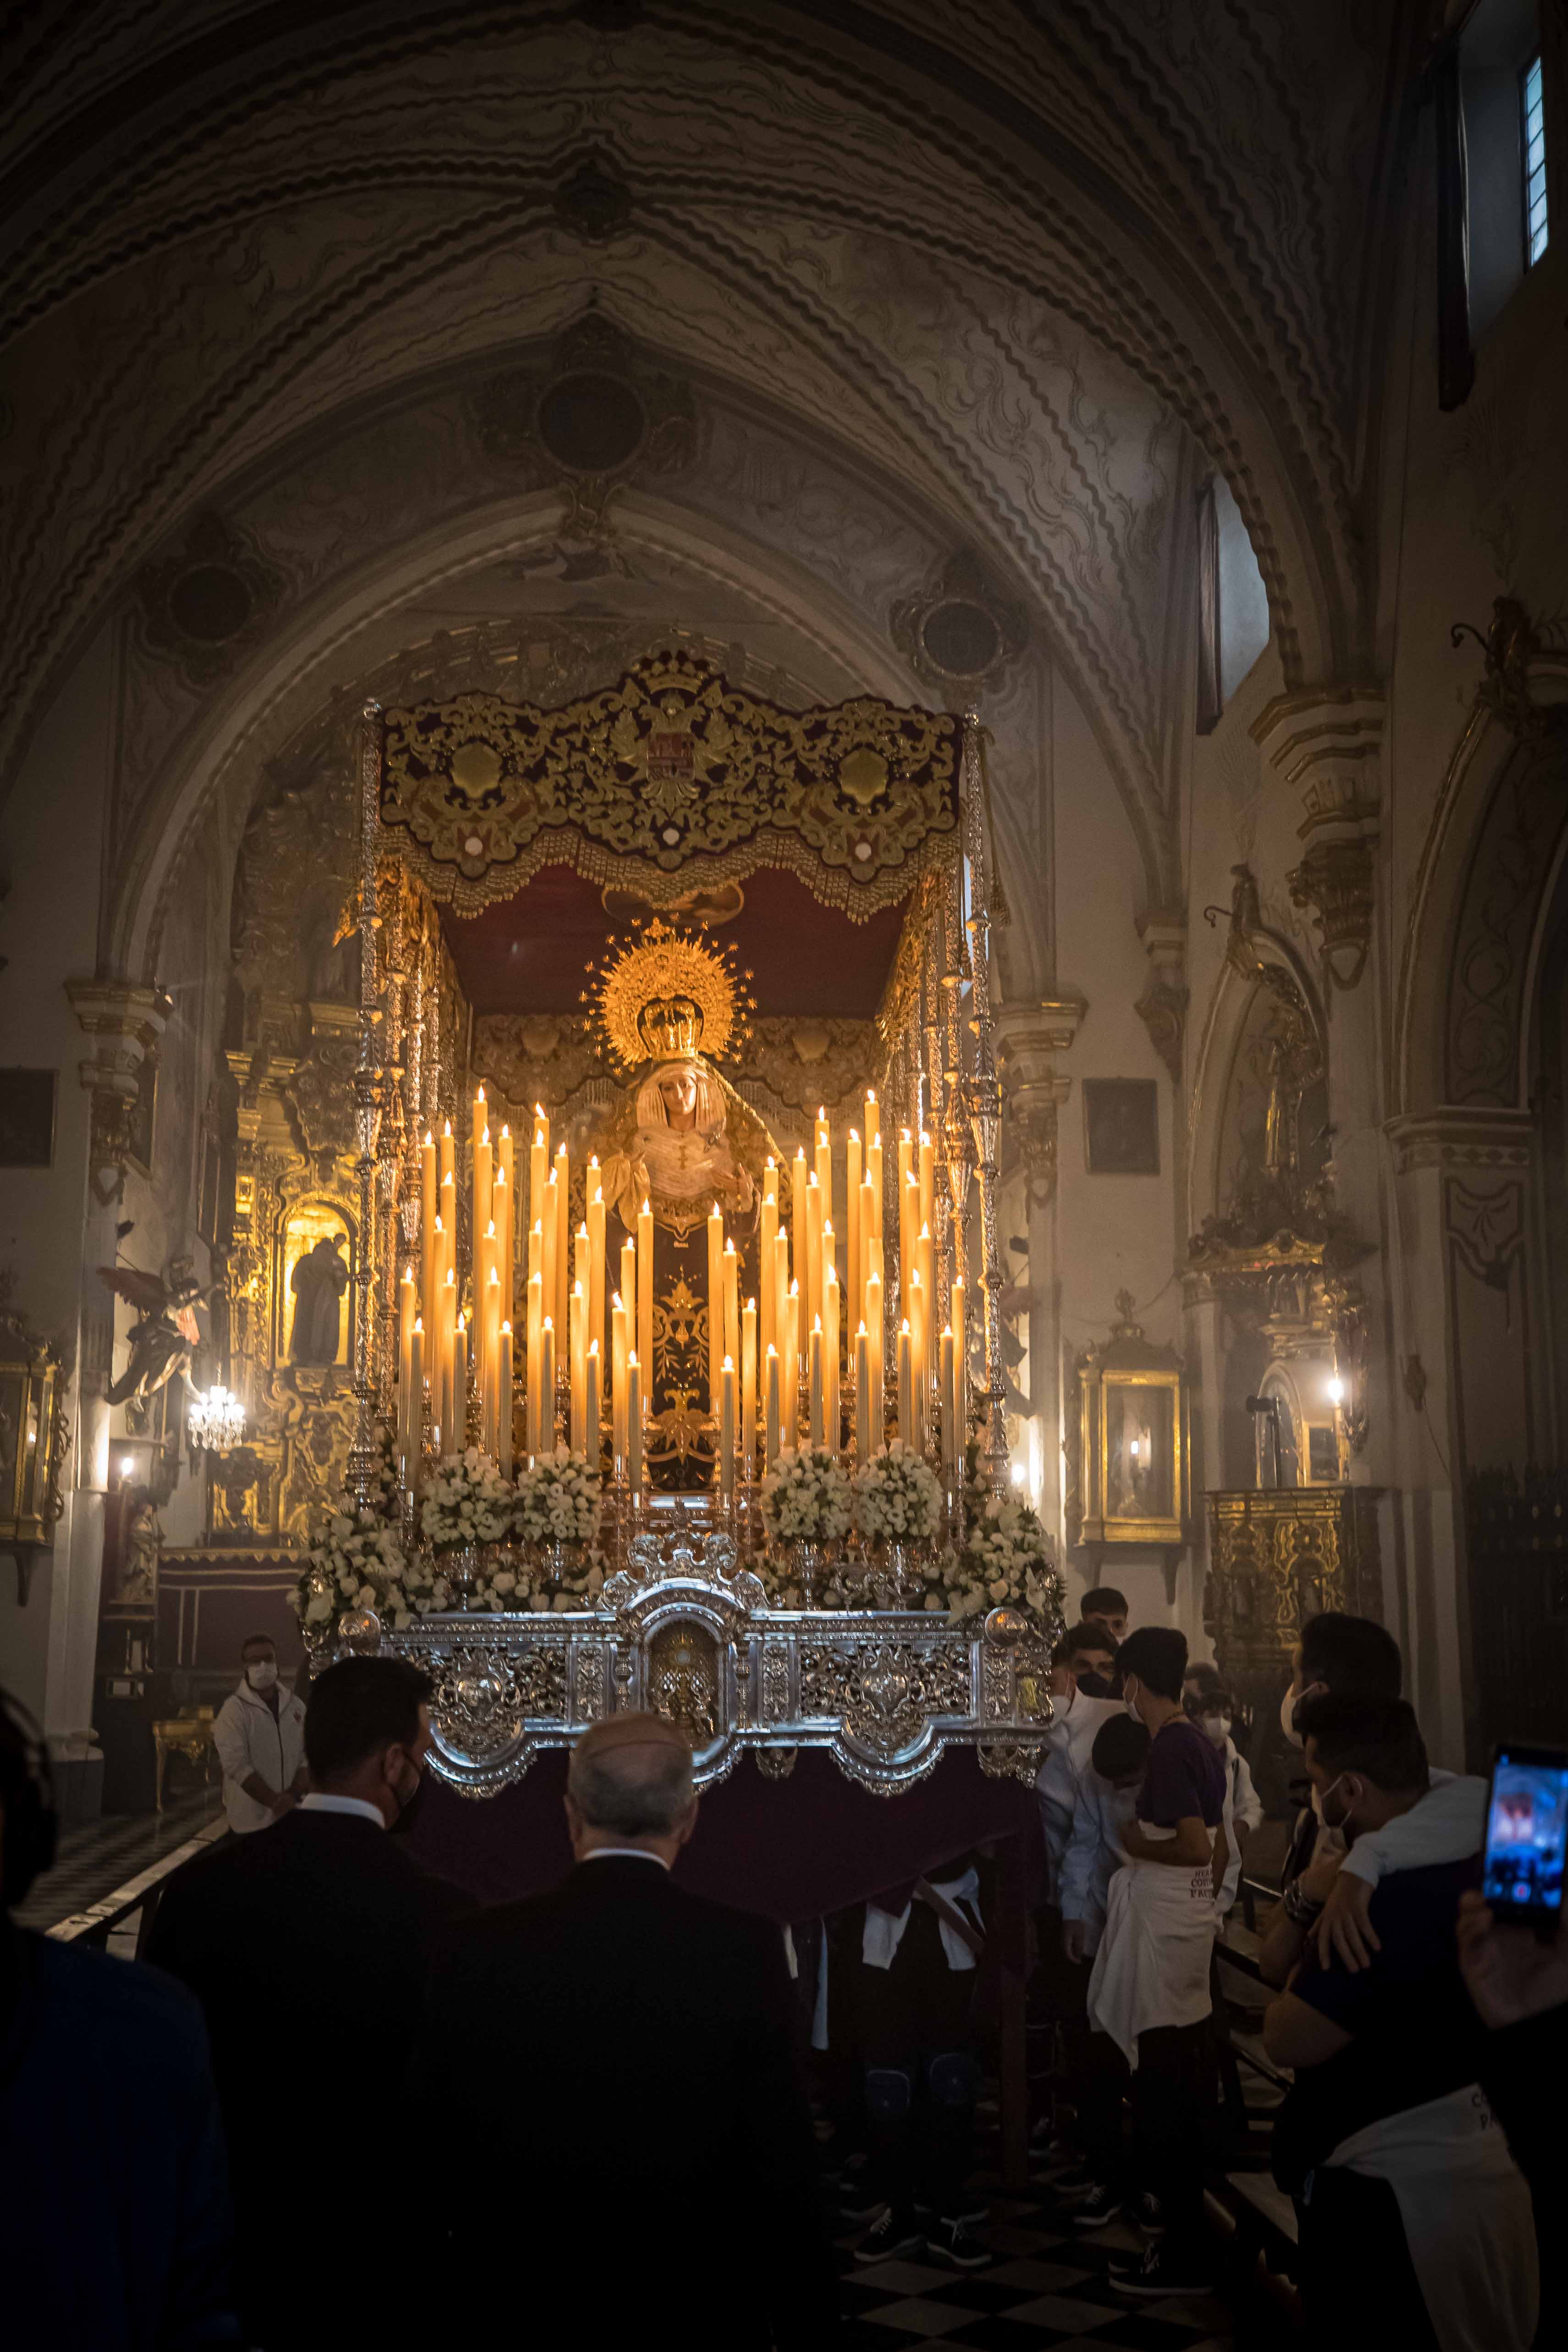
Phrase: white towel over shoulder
(1152,1965)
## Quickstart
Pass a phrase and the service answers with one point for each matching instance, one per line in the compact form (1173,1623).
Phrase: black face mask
(409,1809)
(1095,1685)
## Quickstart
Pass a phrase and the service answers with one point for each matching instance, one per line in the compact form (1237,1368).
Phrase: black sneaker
(1098,2204)
(1148,2213)
(861,2205)
(952,2243)
(969,2210)
(1160,2269)
(895,2232)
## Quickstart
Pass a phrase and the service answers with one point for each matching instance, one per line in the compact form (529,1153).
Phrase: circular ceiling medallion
(211,603)
(960,639)
(590,423)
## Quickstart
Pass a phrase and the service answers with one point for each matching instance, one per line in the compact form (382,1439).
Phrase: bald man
(613,2073)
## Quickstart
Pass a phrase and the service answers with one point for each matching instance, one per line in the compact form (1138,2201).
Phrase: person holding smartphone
(1401,2177)
(1513,1957)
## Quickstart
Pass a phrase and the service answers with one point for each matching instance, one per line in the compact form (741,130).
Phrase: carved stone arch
(1465,1012)
(1257,958)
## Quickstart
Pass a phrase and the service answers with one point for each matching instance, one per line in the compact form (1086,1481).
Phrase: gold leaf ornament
(664,993)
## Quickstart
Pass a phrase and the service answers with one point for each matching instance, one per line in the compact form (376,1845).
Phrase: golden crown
(661,994)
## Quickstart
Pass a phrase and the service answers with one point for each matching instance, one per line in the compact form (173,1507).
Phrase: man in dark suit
(609,2072)
(314,1945)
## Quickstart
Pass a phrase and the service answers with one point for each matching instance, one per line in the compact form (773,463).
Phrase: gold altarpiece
(668,785)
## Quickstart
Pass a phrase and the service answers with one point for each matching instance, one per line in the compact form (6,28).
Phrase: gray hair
(641,1789)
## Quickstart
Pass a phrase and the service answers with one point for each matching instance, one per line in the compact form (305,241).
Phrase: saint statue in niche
(317,1284)
(670,1006)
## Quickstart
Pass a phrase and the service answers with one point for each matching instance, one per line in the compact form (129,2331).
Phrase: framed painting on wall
(1121,1127)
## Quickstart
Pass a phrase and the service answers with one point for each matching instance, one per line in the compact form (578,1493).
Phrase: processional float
(896,1601)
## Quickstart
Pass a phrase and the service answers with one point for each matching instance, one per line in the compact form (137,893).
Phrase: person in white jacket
(259,1736)
(1215,1709)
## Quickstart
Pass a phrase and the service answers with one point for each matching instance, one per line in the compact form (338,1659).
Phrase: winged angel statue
(165,1334)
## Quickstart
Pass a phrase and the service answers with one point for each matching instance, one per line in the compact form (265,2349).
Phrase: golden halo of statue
(662,994)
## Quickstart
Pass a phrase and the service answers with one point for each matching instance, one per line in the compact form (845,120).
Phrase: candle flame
(821,1114)
(506,1330)
(947,1330)
(811,1181)
(795,1290)
(462,1324)
(495,1277)
(505,1133)
(451,1278)
(500,1171)
(616,1302)
(750,1305)
(925,1141)
(593,1347)
(550,1323)
(862,1333)
(485,1137)
(581,1233)
(816,1327)
(408,1273)
(539,1108)
(592,1159)
(419,1325)
(491,1231)
(646,1212)
(446,1128)
(550,1178)
(925,1231)
(800,1151)
(771,1349)
(429,1141)
(729,1248)
(598,1196)
(904,1328)
(729,1364)
(481,1096)
(539,1138)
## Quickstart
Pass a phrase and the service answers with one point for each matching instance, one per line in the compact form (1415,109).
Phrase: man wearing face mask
(1327,1891)
(259,1736)
(1416,2224)
(321,1937)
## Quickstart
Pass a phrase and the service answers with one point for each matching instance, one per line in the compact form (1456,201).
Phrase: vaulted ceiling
(1001,276)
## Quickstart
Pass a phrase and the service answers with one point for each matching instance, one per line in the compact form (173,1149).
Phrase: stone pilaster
(1162,1007)
(1029,1040)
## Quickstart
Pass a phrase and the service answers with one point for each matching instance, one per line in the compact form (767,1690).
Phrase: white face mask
(261,1677)
(1288,1706)
(1131,1705)
(1218,1729)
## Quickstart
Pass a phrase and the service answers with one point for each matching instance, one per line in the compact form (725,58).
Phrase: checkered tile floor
(1046,2286)
(97,1859)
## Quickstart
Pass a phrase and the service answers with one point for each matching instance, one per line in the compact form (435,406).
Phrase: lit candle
(874,1325)
(768,1251)
(949,1418)
(868,1242)
(407,1425)
(731,1272)
(417,1401)
(818,1394)
(862,1395)
(504,1201)
(792,1365)
(596,1256)
(905,1385)
(481,1116)
(492,1319)
(460,1388)
(780,1289)
(628,1288)
(854,1210)
(552,1223)
(771,1416)
(915,1325)
(905,1170)
(825,1163)
(797,1175)
(577,1341)
(726,1431)
(749,1388)
(446,1336)
(485,1271)
(925,1262)
(582,1250)
(715,1305)
(908,1229)
(534,1336)
(634,1425)
(618,1386)
(446,1157)
(813,1244)
(595,1403)
(547,1386)
(645,1302)
(429,1209)
(504,1458)
(830,1320)
(563,1276)
(479,1208)
(874,1175)
(928,1180)
(538,1168)
(873,1122)
(542,1131)
(960,1362)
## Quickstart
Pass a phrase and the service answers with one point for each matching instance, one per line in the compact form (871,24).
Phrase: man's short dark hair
(253,1640)
(1379,1738)
(1104,1600)
(1120,1746)
(1157,1656)
(1356,1657)
(1085,1636)
(358,1708)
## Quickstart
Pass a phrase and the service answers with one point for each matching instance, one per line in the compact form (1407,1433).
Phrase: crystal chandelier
(215,1420)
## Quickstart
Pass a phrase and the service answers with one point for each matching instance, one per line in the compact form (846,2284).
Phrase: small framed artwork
(28,1118)
(1121,1127)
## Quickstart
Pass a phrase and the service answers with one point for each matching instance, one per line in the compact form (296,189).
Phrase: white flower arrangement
(558,1499)
(360,1563)
(805,1497)
(898,1497)
(467,1501)
(1005,1559)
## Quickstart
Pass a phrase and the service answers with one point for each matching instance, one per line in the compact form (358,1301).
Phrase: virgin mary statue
(682,1139)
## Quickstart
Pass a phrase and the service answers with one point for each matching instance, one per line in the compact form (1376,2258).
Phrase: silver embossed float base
(687,1632)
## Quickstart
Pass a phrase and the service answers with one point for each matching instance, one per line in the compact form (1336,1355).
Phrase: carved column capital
(124,1023)
(1162,1007)
(1028,1039)
(1326,742)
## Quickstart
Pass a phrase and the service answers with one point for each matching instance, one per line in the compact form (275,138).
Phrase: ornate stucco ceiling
(944,279)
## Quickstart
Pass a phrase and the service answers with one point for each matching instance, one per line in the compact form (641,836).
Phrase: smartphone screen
(1527,1830)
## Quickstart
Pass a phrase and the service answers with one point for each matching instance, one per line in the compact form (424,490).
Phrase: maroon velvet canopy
(789,1849)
